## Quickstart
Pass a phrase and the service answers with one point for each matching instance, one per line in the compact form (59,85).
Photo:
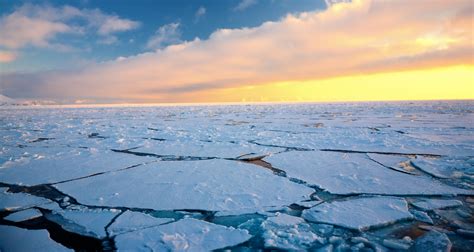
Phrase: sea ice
(350,173)
(360,213)
(447,167)
(288,232)
(37,168)
(84,222)
(17,239)
(432,204)
(395,162)
(433,241)
(183,235)
(215,185)
(130,221)
(18,201)
(24,215)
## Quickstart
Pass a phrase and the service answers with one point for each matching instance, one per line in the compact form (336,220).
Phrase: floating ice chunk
(84,222)
(288,233)
(344,173)
(17,201)
(432,204)
(433,241)
(17,239)
(183,235)
(308,204)
(396,244)
(66,165)
(131,221)
(422,216)
(24,215)
(360,213)
(446,167)
(216,185)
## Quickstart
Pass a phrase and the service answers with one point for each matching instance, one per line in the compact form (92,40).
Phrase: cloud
(199,13)
(361,37)
(39,25)
(165,35)
(329,3)
(6,56)
(244,4)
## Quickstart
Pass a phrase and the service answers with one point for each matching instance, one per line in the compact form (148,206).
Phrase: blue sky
(193,18)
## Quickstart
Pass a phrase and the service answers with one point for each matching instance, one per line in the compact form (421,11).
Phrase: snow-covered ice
(179,177)
(288,233)
(24,215)
(183,235)
(130,221)
(431,204)
(350,173)
(16,201)
(214,185)
(360,213)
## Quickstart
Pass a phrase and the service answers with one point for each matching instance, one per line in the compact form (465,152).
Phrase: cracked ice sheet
(360,213)
(215,185)
(83,222)
(183,235)
(447,167)
(56,165)
(132,221)
(24,215)
(344,173)
(17,239)
(205,149)
(18,201)
(432,204)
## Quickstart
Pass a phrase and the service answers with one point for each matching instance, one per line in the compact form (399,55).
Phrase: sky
(144,51)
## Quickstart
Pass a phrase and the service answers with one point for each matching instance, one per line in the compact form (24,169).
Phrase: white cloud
(244,4)
(6,56)
(332,2)
(39,25)
(199,13)
(361,37)
(165,35)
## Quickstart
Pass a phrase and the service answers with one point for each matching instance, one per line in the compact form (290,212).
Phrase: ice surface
(344,173)
(447,167)
(422,216)
(216,185)
(130,221)
(431,204)
(183,235)
(17,239)
(360,213)
(18,201)
(433,241)
(288,232)
(84,222)
(24,215)
(395,162)
(38,167)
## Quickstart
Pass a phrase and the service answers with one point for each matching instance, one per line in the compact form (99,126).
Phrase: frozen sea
(376,176)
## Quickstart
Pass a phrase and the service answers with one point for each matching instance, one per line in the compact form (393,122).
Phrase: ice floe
(288,232)
(431,204)
(24,215)
(84,222)
(360,213)
(17,201)
(351,173)
(447,167)
(433,241)
(183,235)
(214,185)
(130,221)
